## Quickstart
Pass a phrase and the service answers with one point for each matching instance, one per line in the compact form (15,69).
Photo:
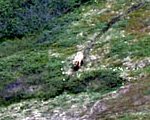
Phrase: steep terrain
(113,82)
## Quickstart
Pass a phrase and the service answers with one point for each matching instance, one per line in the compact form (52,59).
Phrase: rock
(124,89)
(98,107)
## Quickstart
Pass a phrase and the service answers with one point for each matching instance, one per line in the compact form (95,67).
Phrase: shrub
(27,16)
(101,80)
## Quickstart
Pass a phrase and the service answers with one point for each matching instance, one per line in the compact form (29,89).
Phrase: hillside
(38,41)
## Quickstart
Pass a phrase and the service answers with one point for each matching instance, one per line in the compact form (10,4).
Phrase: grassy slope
(35,61)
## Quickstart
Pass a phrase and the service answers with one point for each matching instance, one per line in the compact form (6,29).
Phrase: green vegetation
(25,63)
(37,36)
(96,81)
(22,17)
(124,47)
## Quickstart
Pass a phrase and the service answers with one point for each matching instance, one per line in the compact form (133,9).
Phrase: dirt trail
(110,24)
(86,50)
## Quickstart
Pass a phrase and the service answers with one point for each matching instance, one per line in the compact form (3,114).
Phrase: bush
(101,80)
(27,16)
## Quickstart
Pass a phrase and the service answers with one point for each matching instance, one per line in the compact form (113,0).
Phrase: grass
(123,48)
(30,67)
(27,60)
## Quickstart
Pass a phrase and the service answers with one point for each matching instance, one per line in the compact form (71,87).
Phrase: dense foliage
(19,17)
(45,86)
